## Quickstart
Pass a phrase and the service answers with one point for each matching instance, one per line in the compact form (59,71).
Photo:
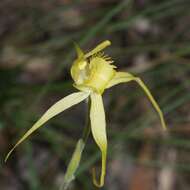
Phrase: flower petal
(121,77)
(57,108)
(80,53)
(98,48)
(98,127)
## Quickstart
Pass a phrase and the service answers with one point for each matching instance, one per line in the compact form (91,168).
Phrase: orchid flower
(92,72)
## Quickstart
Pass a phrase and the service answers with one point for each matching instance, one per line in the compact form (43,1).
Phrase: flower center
(94,74)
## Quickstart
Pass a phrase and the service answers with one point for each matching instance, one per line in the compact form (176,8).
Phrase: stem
(86,131)
(76,157)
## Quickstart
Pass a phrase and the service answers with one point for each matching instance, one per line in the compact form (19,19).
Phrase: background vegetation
(149,38)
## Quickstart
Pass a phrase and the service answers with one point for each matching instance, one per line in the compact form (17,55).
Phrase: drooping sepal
(57,108)
(98,127)
(122,77)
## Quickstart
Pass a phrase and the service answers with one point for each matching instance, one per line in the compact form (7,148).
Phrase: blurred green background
(150,38)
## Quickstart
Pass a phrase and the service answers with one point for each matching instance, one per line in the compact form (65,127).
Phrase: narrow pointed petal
(98,127)
(152,100)
(122,77)
(98,48)
(80,53)
(57,108)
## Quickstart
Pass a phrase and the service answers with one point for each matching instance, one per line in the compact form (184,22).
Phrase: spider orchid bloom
(92,73)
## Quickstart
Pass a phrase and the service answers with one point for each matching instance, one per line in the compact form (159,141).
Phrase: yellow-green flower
(92,73)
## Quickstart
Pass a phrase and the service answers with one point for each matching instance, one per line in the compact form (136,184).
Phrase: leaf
(73,164)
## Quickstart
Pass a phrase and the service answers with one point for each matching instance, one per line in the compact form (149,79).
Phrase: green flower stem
(86,130)
(77,154)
